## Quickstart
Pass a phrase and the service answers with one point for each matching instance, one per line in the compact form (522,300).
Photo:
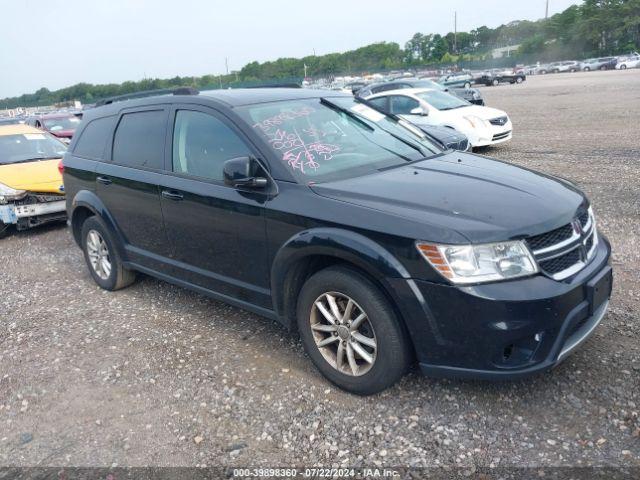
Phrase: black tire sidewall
(95,223)
(393,353)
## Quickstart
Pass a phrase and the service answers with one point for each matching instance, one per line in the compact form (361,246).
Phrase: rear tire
(102,257)
(519,80)
(467,85)
(587,69)
(380,332)
(495,82)
(623,67)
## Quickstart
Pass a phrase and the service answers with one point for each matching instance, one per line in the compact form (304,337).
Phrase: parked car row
(591,64)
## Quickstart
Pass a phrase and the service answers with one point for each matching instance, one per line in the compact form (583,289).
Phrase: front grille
(562,252)
(561,263)
(589,243)
(32,198)
(499,121)
(500,136)
(551,238)
(584,219)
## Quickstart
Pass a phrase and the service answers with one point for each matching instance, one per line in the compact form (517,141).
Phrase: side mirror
(242,172)
(419,111)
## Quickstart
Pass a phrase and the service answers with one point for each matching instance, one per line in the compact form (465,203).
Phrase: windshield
(62,123)
(321,140)
(442,100)
(29,147)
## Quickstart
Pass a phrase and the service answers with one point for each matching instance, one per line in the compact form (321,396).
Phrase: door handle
(172,195)
(104,180)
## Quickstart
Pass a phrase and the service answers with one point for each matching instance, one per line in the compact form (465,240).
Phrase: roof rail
(148,93)
(276,85)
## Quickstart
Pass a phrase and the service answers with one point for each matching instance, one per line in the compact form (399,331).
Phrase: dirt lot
(156,375)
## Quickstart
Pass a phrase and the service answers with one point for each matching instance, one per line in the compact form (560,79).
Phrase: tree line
(593,28)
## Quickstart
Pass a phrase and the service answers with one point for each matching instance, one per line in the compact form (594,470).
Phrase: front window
(442,100)
(62,123)
(324,140)
(27,147)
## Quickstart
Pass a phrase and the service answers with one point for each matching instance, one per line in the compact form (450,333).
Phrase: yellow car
(31,189)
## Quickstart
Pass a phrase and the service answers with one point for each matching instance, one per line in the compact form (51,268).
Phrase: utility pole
(455,32)
(226,64)
(546,13)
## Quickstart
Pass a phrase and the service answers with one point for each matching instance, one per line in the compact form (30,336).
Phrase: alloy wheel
(343,333)
(98,253)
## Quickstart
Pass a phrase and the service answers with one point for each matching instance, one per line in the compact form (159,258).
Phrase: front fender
(346,245)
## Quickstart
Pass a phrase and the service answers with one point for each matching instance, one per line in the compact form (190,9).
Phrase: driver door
(217,232)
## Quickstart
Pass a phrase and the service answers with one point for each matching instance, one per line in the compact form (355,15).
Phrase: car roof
(17,129)
(247,96)
(231,97)
(411,91)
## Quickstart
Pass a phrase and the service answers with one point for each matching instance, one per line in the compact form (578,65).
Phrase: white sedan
(483,126)
(632,61)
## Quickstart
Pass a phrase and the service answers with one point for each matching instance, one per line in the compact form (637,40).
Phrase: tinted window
(380,102)
(403,105)
(94,138)
(202,143)
(139,140)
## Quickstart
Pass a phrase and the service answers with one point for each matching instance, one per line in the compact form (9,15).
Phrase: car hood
(37,176)
(485,113)
(481,199)
(62,133)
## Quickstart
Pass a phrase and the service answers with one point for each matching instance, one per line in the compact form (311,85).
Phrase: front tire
(4,230)
(623,67)
(519,80)
(102,257)
(495,82)
(350,331)
(587,69)
(467,85)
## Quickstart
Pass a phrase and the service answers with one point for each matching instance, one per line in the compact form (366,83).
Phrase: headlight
(8,194)
(480,263)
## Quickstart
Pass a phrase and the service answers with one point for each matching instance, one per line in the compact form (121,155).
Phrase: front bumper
(503,330)
(32,214)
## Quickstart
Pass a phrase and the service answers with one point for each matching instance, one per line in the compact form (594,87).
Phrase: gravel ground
(156,375)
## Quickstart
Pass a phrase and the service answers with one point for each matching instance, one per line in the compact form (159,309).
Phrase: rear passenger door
(217,232)
(128,184)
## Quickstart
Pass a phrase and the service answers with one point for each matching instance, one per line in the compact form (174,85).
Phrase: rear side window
(402,105)
(139,140)
(202,143)
(93,140)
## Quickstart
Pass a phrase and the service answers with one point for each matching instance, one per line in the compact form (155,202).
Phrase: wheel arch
(313,250)
(86,204)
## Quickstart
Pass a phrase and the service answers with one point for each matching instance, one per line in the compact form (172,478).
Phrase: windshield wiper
(346,111)
(400,121)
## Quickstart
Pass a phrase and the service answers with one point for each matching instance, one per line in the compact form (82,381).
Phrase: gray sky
(57,43)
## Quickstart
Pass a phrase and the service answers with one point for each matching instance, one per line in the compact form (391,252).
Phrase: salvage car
(348,226)
(446,137)
(61,125)
(31,189)
(602,63)
(459,80)
(496,77)
(483,126)
(471,95)
(566,66)
(632,61)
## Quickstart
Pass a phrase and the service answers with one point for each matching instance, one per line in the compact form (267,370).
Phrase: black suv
(310,208)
